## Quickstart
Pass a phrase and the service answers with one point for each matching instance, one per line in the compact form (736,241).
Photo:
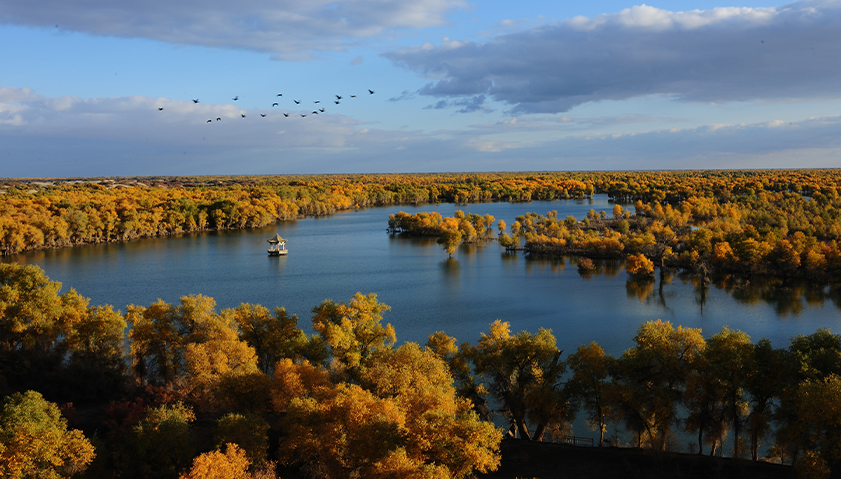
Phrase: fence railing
(574,441)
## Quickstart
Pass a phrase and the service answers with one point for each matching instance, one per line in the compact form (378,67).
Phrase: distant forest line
(778,222)
(182,390)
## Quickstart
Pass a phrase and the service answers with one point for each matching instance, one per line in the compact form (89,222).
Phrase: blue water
(336,256)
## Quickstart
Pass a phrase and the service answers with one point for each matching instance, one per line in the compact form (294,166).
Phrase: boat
(277,246)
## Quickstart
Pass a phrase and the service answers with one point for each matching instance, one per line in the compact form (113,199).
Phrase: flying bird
(286,115)
(243,115)
(353,96)
(195,100)
(371,91)
(209,121)
(302,115)
(236,98)
(321,110)
(337,102)
(274,105)
(315,112)
(160,108)
(280,94)
(296,102)
(317,101)
(218,119)
(262,115)
(338,97)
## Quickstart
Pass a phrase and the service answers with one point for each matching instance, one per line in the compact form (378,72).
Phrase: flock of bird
(317,110)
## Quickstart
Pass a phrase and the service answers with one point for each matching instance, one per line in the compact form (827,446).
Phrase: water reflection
(641,289)
(787,296)
(451,268)
(605,268)
(555,265)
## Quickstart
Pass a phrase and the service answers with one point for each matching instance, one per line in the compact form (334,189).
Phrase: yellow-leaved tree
(35,441)
(231,464)
(403,419)
(353,331)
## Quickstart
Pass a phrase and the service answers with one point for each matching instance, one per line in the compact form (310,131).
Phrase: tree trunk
(700,441)
(522,429)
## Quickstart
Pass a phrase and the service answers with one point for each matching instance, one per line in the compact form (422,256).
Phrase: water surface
(334,257)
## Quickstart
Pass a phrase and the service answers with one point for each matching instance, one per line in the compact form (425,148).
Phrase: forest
(186,391)
(775,222)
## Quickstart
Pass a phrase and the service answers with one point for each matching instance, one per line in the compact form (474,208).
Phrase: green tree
(164,441)
(35,441)
(249,432)
(764,386)
(819,419)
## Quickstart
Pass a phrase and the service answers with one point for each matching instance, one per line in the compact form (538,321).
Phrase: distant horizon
(688,170)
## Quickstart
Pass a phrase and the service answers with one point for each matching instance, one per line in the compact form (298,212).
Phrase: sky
(187,87)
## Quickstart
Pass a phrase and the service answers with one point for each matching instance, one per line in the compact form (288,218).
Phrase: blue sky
(459,86)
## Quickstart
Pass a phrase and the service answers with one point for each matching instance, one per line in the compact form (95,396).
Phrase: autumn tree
(523,372)
(639,266)
(35,441)
(809,358)
(717,386)
(590,383)
(450,239)
(156,342)
(459,363)
(354,330)
(404,418)
(96,363)
(34,319)
(275,336)
(231,464)
(652,375)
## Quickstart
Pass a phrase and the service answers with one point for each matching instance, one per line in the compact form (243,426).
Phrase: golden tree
(35,441)
(232,464)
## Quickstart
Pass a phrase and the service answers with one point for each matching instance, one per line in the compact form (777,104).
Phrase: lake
(334,257)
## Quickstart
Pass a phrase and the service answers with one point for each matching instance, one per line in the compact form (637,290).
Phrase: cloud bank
(69,136)
(717,55)
(287,29)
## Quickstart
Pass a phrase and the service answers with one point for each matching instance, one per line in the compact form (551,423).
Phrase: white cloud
(287,29)
(71,136)
(717,55)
